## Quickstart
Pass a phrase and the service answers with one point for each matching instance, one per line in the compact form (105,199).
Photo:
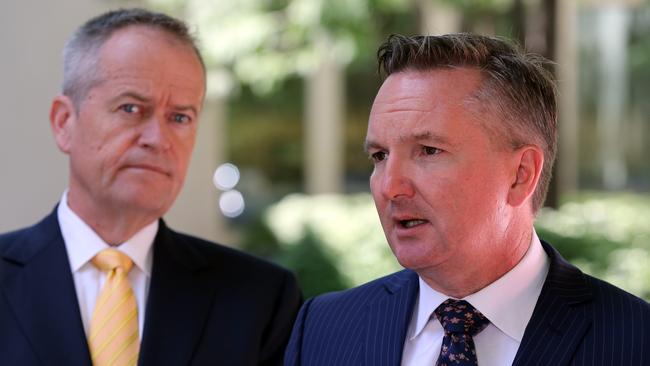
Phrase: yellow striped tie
(113,338)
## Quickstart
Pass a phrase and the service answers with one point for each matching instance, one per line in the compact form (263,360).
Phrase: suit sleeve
(292,356)
(279,329)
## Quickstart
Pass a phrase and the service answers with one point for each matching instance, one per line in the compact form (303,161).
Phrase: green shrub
(606,235)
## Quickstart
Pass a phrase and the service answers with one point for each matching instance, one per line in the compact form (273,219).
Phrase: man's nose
(156,133)
(396,180)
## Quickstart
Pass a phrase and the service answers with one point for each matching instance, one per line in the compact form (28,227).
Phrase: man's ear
(529,163)
(62,120)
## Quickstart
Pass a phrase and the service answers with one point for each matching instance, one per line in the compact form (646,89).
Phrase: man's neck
(113,225)
(458,280)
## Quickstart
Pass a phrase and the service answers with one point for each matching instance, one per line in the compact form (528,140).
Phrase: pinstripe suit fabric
(578,320)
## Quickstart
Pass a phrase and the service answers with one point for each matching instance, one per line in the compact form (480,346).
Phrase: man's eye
(378,156)
(428,150)
(181,118)
(131,108)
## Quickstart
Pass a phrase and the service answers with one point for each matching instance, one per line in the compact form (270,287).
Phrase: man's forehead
(418,106)
(423,91)
(147,39)
(139,52)
(146,31)
(128,80)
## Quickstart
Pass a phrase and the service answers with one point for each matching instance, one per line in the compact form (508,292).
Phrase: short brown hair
(516,87)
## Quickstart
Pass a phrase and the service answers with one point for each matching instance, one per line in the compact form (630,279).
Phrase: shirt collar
(428,300)
(82,242)
(507,302)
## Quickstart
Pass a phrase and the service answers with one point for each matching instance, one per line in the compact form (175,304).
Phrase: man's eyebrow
(369,144)
(131,94)
(417,136)
(142,98)
(426,136)
(183,108)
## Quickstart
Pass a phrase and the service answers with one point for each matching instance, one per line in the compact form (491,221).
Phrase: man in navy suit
(134,84)
(462,135)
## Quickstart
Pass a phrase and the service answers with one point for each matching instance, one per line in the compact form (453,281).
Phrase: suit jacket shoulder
(39,312)
(365,325)
(19,245)
(581,320)
(224,259)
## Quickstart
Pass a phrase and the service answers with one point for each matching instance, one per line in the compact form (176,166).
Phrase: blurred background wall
(290,85)
(33,172)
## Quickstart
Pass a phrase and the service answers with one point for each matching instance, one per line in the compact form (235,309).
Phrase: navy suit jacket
(207,304)
(578,320)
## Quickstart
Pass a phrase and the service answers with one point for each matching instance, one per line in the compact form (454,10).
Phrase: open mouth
(407,224)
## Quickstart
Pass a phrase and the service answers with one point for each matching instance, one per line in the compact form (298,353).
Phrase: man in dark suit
(462,134)
(102,280)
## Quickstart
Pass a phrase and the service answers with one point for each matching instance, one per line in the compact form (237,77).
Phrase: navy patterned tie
(461,322)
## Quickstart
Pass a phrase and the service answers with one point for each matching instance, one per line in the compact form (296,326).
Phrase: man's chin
(414,256)
(148,201)
(408,257)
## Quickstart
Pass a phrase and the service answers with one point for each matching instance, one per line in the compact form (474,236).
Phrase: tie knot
(111,259)
(459,317)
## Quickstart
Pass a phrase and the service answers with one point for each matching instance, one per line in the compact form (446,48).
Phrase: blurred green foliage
(262,43)
(333,242)
(606,235)
(315,269)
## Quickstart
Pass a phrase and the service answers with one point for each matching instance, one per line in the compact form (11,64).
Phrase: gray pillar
(612,38)
(566,44)
(437,17)
(325,90)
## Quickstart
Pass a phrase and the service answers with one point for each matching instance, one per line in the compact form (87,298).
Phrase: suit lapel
(178,304)
(558,323)
(40,291)
(388,320)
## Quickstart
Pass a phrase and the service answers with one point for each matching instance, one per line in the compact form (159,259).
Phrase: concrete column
(325,90)
(612,39)
(566,52)
(437,17)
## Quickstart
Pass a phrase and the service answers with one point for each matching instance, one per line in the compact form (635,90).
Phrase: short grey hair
(516,87)
(81,51)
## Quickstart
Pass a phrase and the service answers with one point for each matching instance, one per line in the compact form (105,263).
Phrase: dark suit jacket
(578,320)
(207,304)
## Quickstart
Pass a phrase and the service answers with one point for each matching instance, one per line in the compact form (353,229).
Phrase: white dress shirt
(82,244)
(507,302)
